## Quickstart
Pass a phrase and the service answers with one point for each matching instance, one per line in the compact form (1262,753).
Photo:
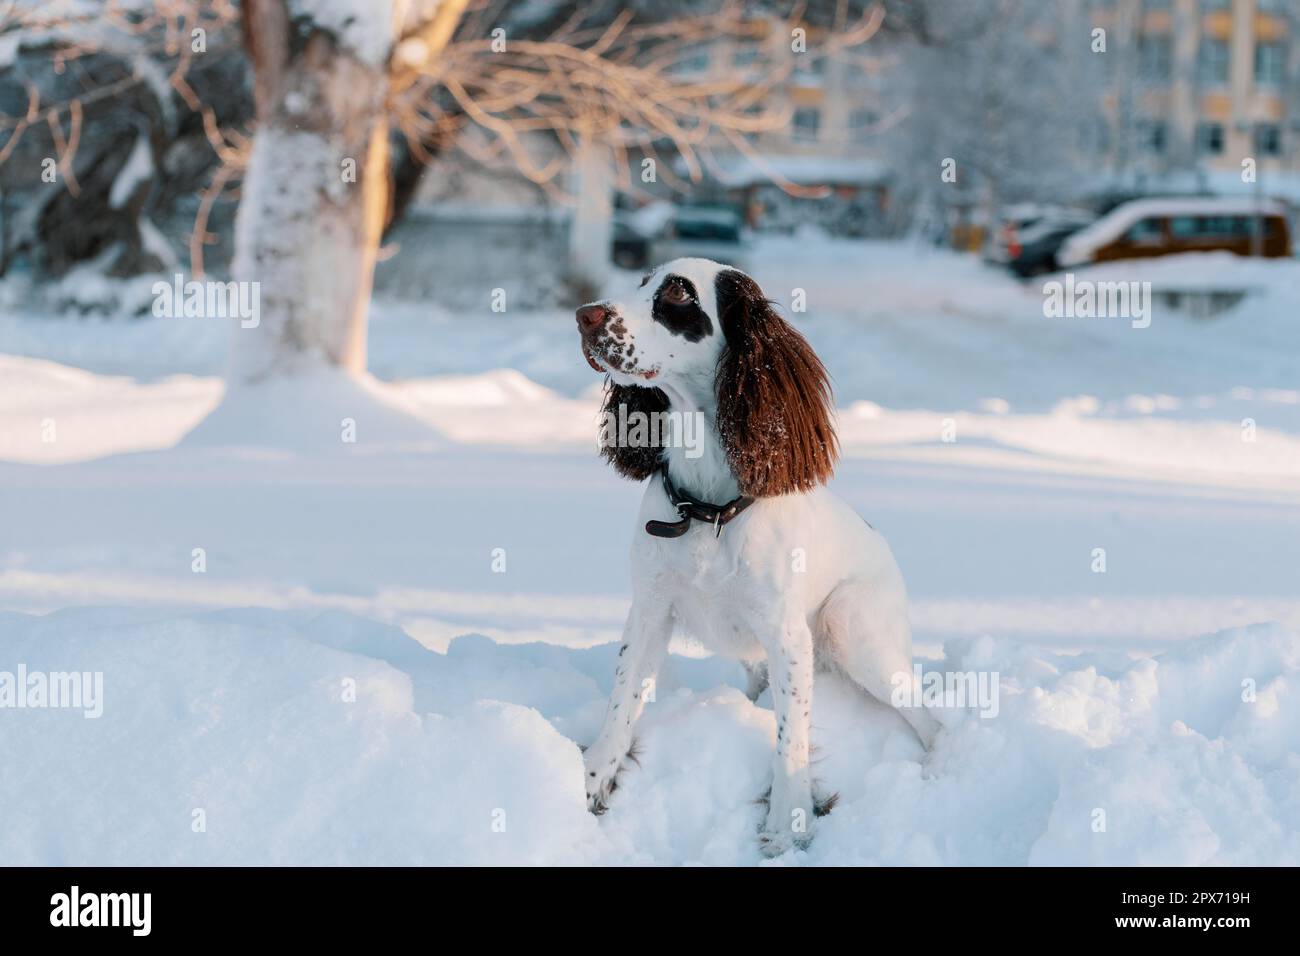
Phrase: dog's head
(695,326)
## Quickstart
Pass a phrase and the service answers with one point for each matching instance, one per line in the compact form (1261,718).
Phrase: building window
(1209,139)
(1270,63)
(1268,139)
(862,124)
(807,120)
(1151,136)
(1210,5)
(744,56)
(1155,58)
(1213,64)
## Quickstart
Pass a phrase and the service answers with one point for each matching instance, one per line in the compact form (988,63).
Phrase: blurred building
(1201,85)
(838,102)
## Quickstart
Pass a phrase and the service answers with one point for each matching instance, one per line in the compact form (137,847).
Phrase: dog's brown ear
(774,396)
(636,460)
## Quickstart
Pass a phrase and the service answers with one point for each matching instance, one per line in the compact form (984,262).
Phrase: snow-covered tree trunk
(592,229)
(316,188)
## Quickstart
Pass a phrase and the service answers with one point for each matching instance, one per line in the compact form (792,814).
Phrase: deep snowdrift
(469,757)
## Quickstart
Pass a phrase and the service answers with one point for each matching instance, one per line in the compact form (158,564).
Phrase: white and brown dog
(738,541)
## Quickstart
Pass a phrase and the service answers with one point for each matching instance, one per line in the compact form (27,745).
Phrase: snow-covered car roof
(1046,227)
(649,220)
(1081,246)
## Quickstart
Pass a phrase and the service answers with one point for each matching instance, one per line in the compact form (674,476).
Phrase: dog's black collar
(690,507)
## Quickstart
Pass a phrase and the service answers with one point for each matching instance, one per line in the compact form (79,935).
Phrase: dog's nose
(592,317)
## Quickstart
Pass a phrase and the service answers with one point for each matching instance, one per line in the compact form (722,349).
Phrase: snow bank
(1142,435)
(55,413)
(469,756)
(316,410)
(231,740)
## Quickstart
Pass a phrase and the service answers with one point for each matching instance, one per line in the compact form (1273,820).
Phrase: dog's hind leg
(645,640)
(866,631)
(755,678)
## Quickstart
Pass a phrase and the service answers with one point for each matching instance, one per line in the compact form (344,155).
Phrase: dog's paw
(600,774)
(598,794)
(823,803)
(774,843)
(788,824)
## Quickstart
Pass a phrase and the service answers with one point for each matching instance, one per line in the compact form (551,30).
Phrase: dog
(738,540)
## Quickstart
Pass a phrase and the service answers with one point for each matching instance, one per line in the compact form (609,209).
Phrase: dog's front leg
(790,670)
(645,639)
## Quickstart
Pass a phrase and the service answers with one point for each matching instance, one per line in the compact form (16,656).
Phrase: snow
(471,757)
(1161,692)
(137,168)
(344,411)
(153,241)
(363,26)
(653,218)
(10,45)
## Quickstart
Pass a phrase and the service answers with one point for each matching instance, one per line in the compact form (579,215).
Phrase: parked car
(637,229)
(660,231)
(710,232)
(1014,221)
(1160,227)
(631,249)
(1035,249)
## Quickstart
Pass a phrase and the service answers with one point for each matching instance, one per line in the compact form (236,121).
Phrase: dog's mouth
(602,363)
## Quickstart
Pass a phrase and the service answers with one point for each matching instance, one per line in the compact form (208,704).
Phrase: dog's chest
(710,590)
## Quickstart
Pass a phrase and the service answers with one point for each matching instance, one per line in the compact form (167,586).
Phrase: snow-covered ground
(1162,692)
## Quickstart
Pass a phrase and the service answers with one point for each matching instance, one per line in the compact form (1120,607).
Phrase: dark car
(1018,218)
(1034,250)
(631,249)
(709,231)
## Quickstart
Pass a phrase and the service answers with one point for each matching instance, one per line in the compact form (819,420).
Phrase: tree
(107,115)
(1008,90)
(333,78)
(316,186)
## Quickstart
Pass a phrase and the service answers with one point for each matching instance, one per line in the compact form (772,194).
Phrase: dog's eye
(675,294)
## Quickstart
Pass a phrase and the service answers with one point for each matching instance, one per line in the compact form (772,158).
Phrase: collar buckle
(690,508)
